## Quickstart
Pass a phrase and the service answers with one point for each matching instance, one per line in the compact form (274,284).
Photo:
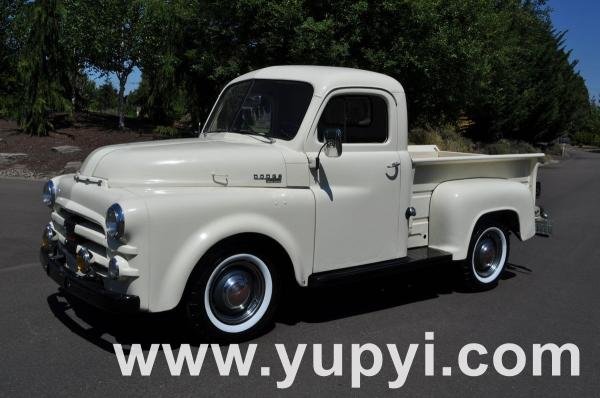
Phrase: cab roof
(325,78)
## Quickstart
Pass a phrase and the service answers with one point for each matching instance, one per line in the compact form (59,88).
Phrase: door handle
(393,165)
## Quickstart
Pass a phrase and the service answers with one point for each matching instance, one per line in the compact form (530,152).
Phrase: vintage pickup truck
(301,174)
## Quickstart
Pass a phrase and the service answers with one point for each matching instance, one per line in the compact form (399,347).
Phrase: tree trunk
(122,81)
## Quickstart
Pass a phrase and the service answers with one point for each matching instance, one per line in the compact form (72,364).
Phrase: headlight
(115,222)
(49,194)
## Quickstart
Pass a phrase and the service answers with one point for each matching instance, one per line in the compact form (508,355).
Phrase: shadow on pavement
(298,305)
(103,328)
(335,302)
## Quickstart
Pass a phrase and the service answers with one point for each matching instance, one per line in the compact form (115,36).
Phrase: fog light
(48,242)
(113,268)
(83,261)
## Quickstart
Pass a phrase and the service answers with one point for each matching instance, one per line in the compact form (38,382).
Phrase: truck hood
(220,160)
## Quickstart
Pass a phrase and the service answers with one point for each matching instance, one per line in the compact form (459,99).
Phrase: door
(357,194)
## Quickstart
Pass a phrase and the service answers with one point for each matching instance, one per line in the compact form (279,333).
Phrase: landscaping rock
(7,158)
(71,167)
(64,149)
(18,171)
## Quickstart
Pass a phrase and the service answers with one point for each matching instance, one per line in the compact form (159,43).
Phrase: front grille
(79,231)
(80,220)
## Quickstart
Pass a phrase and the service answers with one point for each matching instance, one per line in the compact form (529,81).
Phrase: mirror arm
(317,159)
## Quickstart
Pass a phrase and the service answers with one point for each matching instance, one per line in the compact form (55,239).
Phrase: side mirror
(333,142)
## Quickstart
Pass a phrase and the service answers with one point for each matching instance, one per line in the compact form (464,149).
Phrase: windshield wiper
(249,132)
(254,134)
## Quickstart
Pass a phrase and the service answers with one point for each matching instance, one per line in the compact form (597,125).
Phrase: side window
(361,118)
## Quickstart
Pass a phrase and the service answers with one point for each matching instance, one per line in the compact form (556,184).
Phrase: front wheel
(488,254)
(233,295)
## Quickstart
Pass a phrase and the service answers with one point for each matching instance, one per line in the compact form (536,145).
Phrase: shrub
(585,138)
(454,141)
(445,138)
(555,149)
(166,132)
(425,137)
(505,146)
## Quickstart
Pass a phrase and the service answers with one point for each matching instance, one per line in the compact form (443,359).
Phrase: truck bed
(432,167)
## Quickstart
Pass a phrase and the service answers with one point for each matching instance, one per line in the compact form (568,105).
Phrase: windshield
(273,108)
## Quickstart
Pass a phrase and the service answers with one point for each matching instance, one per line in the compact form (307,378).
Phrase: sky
(580,18)
(133,81)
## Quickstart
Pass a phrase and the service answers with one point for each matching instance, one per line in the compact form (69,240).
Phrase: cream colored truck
(302,174)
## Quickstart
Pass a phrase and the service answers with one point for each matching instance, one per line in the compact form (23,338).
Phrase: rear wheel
(488,254)
(233,295)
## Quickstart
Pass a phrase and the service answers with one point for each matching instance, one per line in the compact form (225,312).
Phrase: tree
(114,42)
(498,64)
(42,68)
(105,97)
(11,41)
(530,90)
(161,93)
(224,39)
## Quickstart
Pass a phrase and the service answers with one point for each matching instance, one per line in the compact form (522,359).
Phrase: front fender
(456,206)
(186,224)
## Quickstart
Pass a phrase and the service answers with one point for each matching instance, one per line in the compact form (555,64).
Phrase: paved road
(550,294)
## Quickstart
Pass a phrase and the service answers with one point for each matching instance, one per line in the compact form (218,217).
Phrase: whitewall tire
(232,295)
(487,257)
(251,285)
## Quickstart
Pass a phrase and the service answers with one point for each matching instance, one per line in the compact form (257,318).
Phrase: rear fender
(457,206)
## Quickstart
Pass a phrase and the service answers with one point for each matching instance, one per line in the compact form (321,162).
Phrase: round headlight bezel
(115,222)
(49,193)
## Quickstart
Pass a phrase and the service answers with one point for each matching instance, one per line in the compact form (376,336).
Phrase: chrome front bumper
(88,289)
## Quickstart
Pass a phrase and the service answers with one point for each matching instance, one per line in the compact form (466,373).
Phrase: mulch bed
(88,132)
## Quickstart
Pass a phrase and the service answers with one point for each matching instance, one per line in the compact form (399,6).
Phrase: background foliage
(490,69)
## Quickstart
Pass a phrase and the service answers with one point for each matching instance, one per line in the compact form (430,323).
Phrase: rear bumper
(543,224)
(87,289)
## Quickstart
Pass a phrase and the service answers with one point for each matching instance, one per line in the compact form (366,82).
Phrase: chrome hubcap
(488,253)
(236,292)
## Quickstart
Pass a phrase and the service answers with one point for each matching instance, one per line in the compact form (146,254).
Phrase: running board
(415,258)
